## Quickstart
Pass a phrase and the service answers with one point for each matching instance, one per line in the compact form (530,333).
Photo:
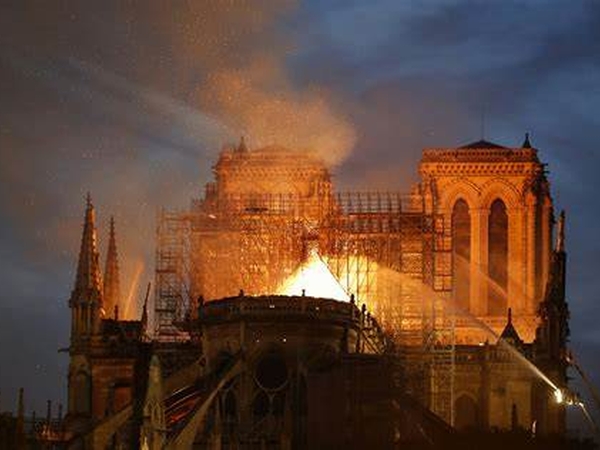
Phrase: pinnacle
(560,233)
(242,147)
(510,333)
(112,285)
(88,270)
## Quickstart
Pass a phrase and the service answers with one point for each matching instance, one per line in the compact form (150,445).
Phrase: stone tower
(86,297)
(86,314)
(495,202)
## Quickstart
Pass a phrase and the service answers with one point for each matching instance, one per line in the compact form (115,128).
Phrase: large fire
(314,279)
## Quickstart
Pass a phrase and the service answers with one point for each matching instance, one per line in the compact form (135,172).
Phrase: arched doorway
(466,413)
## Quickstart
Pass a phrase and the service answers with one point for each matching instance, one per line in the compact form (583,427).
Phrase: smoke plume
(303,120)
(132,101)
(239,52)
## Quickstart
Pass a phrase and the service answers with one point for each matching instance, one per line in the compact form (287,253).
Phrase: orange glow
(133,289)
(315,278)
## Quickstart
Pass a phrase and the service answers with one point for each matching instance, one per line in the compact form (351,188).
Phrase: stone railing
(307,308)
(279,305)
(479,155)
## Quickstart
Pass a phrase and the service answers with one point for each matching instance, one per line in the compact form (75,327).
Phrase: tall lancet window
(498,259)
(461,253)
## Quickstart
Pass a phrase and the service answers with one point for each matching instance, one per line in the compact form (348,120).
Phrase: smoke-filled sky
(133,100)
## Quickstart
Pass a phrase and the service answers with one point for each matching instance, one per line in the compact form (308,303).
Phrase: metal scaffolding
(171,295)
(382,247)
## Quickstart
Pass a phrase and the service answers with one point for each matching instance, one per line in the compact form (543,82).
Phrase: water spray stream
(589,418)
(517,287)
(507,346)
(456,310)
(562,396)
(500,290)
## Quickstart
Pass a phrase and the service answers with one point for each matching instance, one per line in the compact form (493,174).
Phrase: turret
(526,142)
(509,334)
(86,297)
(560,234)
(111,294)
(20,425)
(242,147)
(554,311)
(144,319)
(21,404)
(552,334)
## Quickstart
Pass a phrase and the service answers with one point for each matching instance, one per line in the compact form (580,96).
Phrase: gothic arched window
(461,253)
(466,413)
(497,259)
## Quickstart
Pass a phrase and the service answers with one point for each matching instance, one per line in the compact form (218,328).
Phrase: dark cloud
(129,100)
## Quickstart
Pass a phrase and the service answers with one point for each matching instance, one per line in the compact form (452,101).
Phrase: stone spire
(560,233)
(554,330)
(242,147)
(20,442)
(509,333)
(88,280)
(21,404)
(112,285)
(144,319)
(48,412)
(145,311)
(526,142)
(86,297)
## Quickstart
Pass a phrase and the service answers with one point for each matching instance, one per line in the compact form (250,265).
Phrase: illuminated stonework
(484,176)
(444,307)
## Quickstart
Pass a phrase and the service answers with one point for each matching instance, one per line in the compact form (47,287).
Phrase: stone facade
(250,370)
(480,174)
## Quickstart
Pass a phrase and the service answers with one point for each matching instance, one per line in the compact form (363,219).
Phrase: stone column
(530,250)
(517,254)
(479,261)
(546,244)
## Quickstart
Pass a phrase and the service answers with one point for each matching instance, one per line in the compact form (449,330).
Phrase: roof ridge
(482,144)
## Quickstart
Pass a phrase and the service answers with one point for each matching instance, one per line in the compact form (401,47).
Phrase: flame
(315,279)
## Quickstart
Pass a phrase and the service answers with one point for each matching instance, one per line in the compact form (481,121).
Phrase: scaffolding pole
(383,247)
(171,295)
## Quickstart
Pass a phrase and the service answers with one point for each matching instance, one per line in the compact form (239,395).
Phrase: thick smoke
(239,52)
(302,120)
(132,101)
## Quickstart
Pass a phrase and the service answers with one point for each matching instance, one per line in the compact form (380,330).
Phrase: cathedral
(288,315)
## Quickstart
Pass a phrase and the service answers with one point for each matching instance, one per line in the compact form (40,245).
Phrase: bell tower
(496,202)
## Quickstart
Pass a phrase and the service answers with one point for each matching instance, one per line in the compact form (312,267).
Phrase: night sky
(133,101)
